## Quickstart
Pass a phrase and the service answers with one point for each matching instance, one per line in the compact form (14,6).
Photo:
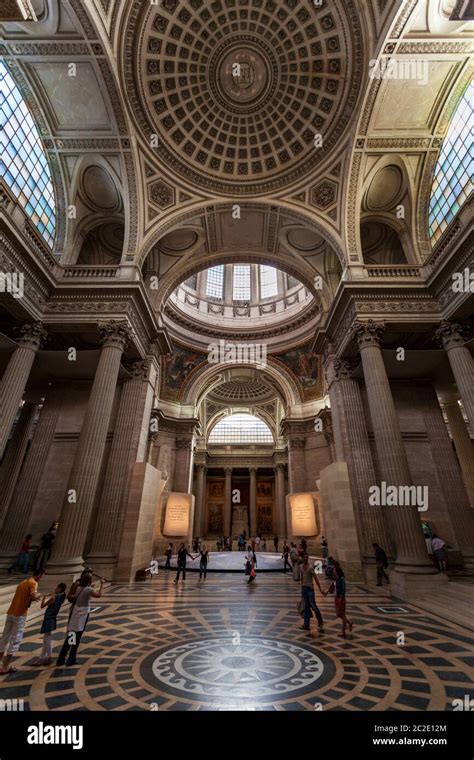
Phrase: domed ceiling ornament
(236,90)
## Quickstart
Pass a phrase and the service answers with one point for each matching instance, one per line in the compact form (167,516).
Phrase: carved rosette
(114,334)
(451,335)
(367,333)
(31,335)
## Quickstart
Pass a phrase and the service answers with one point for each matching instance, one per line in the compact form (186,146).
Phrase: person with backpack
(53,604)
(382,564)
(79,615)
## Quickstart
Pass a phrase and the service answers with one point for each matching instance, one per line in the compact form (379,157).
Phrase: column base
(67,567)
(413,586)
(7,560)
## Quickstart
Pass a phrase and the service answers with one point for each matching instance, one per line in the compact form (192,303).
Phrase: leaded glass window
(241,429)
(453,177)
(241,283)
(215,281)
(268,282)
(23,163)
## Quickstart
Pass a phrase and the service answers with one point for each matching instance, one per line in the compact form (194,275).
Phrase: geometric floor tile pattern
(223,645)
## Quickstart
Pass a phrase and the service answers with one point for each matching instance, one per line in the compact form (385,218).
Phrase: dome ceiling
(241,389)
(237,91)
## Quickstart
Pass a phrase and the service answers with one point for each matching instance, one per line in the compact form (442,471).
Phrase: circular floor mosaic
(245,667)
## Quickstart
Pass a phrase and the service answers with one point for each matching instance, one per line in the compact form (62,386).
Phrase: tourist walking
(53,604)
(22,559)
(308,577)
(26,593)
(439,552)
(251,564)
(382,564)
(168,555)
(44,552)
(324,547)
(203,562)
(183,554)
(340,598)
(79,615)
(304,545)
(257,543)
(275,543)
(295,562)
(285,556)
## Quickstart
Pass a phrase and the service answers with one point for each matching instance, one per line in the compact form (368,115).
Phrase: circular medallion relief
(238,90)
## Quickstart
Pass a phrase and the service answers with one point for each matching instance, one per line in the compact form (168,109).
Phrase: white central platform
(232,562)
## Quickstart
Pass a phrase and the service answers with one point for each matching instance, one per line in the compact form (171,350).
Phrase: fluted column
(15,377)
(463,445)
(412,555)
(15,455)
(199,503)
(18,517)
(253,501)
(296,462)
(450,335)
(227,501)
(122,457)
(82,483)
(455,496)
(281,503)
(335,398)
(184,464)
(359,460)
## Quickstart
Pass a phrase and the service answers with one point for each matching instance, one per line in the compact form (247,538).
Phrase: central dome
(237,91)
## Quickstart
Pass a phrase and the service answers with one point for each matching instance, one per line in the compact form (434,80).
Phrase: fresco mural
(306,366)
(176,368)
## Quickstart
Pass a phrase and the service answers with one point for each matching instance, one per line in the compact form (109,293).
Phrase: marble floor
(224,645)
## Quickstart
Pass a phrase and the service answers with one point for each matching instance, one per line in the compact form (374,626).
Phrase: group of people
(42,554)
(79,596)
(182,557)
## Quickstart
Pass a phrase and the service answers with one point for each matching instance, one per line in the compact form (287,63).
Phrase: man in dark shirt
(382,563)
(308,575)
(182,555)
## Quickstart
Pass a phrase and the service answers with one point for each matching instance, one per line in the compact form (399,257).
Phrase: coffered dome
(236,91)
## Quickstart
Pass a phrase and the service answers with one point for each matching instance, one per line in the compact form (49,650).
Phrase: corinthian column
(15,454)
(412,556)
(253,501)
(451,337)
(123,455)
(184,464)
(227,501)
(359,460)
(463,445)
(16,376)
(199,504)
(18,516)
(281,503)
(82,484)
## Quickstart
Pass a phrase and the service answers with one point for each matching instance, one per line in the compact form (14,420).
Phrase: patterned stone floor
(224,645)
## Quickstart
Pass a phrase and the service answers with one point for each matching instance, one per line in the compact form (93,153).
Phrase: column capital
(297,443)
(139,370)
(280,467)
(342,369)
(367,333)
(116,334)
(228,470)
(31,335)
(252,469)
(451,335)
(184,444)
(201,468)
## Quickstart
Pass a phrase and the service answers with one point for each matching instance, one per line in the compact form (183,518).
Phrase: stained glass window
(23,163)
(453,177)
(241,287)
(215,281)
(268,282)
(241,428)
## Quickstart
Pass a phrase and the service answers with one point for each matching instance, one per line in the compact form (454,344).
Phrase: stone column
(199,503)
(184,464)
(449,476)
(123,455)
(253,502)
(82,483)
(412,555)
(15,455)
(335,398)
(16,376)
(450,335)
(297,468)
(228,501)
(463,445)
(18,516)
(357,454)
(281,503)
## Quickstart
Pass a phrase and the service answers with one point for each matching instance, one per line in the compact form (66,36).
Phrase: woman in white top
(80,610)
(439,552)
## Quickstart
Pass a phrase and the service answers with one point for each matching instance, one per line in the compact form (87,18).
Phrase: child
(53,605)
(340,599)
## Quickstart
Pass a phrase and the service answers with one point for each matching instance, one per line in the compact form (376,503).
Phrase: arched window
(241,286)
(241,428)
(23,164)
(453,177)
